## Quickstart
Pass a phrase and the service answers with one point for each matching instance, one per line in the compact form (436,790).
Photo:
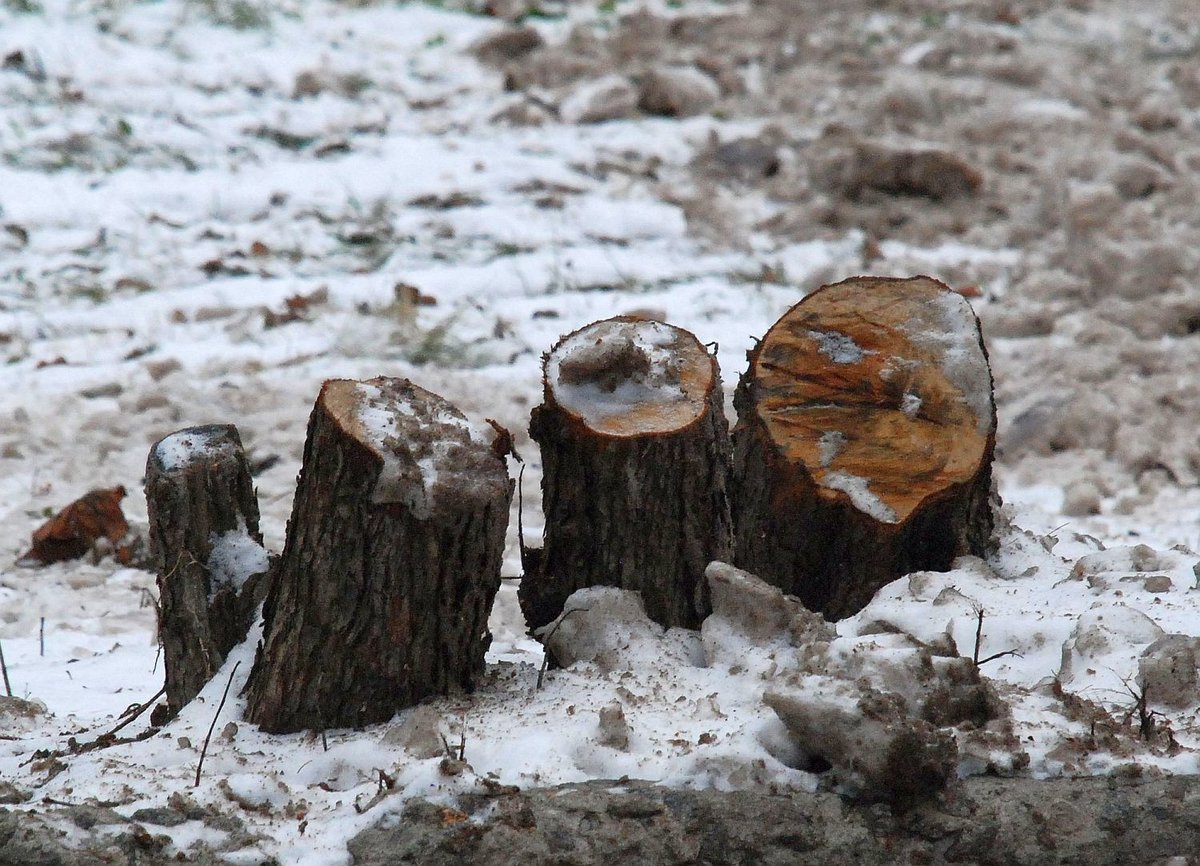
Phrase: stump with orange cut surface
(635,456)
(863,448)
(391,564)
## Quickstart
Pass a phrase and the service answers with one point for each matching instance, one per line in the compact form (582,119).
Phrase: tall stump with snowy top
(391,564)
(863,448)
(636,458)
(208,550)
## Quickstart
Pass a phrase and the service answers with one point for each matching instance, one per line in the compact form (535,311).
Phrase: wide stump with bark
(635,465)
(210,560)
(391,564)
(863,448)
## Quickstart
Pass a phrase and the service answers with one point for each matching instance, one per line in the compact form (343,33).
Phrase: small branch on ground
(1147,718)
(545,653)
(978,633)
(216,715)
(998,655)
(4,669)
(979,612)
(135,710)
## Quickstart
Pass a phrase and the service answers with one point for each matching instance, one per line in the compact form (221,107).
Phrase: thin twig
(978,633)
(4,668)
(136,710)
(520,521)
(42,638)
(979,641)
(545,653)
(216,715)
(999,655)
(104,742)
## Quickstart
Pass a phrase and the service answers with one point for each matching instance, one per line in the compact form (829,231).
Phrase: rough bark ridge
(391,564)
(636,498)
(864,441)
(198,487)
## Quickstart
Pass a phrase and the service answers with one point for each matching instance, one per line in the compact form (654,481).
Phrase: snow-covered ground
(211,206)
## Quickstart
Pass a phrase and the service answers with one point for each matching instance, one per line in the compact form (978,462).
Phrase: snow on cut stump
(635,464)
(391,564)
(208,552)
(863,448)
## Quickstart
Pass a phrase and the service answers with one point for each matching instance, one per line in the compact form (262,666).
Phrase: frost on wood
(208,552)
(635,456)
(864,441)
(391,563)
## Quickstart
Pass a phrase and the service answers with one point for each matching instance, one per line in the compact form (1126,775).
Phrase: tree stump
(863,448)
(635,466)
(391,564)
(204,538)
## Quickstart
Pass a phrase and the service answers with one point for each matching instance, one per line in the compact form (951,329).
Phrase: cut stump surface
(864,443)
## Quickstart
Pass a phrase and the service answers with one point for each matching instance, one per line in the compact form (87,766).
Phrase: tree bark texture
(635,465)
(198,490)
(864,442)
(391,564)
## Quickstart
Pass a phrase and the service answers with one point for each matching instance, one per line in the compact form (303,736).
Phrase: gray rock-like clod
(759,611)
(418,733)
(614,729)
(510,44)
(18,715)
(10,794)
(599,624)
(677,91)
(1167,671)
(611,97)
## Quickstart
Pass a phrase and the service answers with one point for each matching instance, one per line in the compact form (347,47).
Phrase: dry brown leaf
(73,531)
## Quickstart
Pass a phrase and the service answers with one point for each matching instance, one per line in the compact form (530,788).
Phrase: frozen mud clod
(879,751)
(1167,671)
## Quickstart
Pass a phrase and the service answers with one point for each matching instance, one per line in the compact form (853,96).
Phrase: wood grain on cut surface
(864,441)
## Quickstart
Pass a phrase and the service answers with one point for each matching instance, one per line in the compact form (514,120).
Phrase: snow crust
(948,328)
(186,447)
(614,367)
(234,558)
(425,448)
(861,496)
(839,348)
